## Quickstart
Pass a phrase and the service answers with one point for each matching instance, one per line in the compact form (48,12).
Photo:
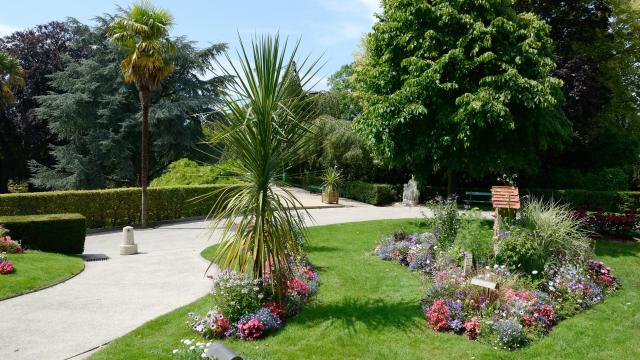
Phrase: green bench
(475,197)
(314,188)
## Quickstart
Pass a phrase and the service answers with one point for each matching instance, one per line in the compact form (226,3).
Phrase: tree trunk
(144,156)
(451,183)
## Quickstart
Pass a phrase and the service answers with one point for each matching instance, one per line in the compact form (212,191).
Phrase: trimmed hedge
(112,207)
(610,201)
(374,194)
(57,233)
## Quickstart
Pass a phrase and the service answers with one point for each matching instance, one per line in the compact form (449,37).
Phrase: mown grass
(368,309)
(36,270)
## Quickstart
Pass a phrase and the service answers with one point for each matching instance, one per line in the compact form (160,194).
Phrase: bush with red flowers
(6,267)
(606,223)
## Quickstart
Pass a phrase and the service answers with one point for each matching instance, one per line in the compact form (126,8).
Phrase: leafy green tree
(461,87)
(96,115)
(342,90)
(263,132)
(11,78)
(143,33)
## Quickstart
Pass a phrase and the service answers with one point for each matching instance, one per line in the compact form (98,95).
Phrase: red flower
(473,328)
(251,330)
(438,316)
(528,321)
(275,308)
(298,286)
(6,267)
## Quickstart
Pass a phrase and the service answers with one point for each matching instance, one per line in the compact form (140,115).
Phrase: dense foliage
(56,233)
(459,87)
(96,115)
(597,52)
(41,51)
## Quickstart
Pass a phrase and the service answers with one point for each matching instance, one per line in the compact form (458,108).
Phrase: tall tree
(41,52)
(597,55)
(342,89)
(143,32)
(96,115)
(11,78)
(460,87)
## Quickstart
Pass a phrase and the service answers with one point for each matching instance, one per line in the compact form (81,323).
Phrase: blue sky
(332,27)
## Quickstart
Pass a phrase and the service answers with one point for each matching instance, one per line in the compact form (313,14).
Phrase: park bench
(314,188)
(475,197)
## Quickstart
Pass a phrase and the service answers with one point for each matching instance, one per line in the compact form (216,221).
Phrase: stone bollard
(128,246)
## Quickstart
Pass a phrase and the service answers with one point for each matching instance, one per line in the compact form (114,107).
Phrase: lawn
(36,270)
(368,309)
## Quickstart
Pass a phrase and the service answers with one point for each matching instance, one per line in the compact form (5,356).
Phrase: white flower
(534,272)
(204,355)
(175,351)
(192,347)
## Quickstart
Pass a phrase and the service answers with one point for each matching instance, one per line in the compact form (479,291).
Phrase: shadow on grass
(374,314)
(617,249)
(322,248)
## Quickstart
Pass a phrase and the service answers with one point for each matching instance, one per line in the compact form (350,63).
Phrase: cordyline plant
(265,129)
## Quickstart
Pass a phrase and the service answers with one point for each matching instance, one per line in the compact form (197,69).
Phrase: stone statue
(411,195)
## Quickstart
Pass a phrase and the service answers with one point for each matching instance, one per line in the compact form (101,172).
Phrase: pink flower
(6,267)
(251,330)
(438,316)
(298,286)
(275,308)
(473,328)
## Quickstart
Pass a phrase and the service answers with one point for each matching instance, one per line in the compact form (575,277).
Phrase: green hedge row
(374,194)
(112,207)
(610,201)
(58,233)
(613,201)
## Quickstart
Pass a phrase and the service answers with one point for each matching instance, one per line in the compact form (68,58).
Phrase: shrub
(236,294)
(185,172)
(468,238)
(374,194)
(58,233)
(611,201)
(113,207)
(6,267)
(607,179)
(445,221)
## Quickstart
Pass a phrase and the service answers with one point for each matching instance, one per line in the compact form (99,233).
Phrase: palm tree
(11,78)
(143,33)
(265,129)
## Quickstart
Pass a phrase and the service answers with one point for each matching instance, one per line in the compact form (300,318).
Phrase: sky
(328,28)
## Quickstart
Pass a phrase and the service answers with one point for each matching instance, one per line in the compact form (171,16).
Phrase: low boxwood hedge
(113,207)
(57,233)
(374,194)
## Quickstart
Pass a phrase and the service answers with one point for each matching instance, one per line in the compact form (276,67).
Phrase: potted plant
(331,181)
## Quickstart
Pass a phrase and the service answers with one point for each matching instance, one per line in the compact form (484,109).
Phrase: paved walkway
(113,297)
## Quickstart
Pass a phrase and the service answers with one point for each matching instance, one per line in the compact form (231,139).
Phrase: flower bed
(606,223)
(7,246)
(249,309)
(527,303)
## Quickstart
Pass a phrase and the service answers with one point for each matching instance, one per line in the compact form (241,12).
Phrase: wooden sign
(468,263)
(484,283)
(505,197)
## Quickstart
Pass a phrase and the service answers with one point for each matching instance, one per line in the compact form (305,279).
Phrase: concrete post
(128,246)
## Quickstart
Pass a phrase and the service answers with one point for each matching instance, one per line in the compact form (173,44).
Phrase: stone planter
(329,197)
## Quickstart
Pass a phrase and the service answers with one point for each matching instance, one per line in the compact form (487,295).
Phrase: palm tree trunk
(144,156)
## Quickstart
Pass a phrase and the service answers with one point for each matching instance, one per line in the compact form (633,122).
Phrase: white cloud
(355,17)
(7,30)
(364,8)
